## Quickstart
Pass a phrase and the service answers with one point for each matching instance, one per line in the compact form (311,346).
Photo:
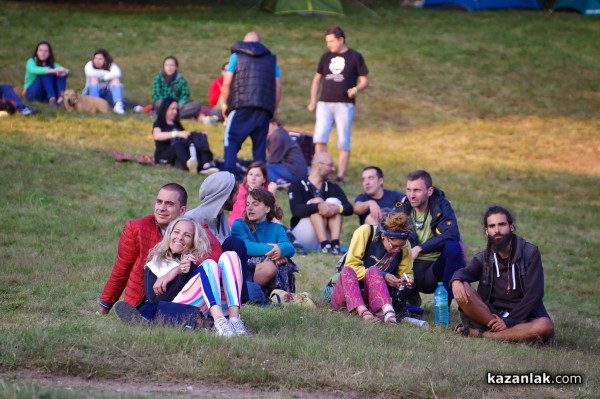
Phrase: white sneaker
(223,328)
(192,165)
(118,108)
(238,326)
(138,109)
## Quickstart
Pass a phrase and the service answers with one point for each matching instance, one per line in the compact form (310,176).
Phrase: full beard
(501,244)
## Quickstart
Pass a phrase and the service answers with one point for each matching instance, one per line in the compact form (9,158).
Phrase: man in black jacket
(317,207)
(508,304)
(436,244)
(251,91)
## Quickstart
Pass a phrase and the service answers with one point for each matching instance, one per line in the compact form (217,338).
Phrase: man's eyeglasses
(326,164)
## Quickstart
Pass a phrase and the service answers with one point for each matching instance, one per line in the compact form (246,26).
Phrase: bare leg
(318,223)
(335,226)
(320,147)
(234,311)
(343,159)
(529,331)
(264,273)
(476,309)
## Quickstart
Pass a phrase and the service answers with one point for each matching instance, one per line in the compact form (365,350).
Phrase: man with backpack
(508,304)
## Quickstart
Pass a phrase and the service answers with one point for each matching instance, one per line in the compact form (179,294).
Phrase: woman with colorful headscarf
(377,267)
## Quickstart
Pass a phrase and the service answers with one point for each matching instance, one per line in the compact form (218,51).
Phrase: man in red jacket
(138,238)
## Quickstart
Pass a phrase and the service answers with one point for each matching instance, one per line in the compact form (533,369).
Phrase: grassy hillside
(501,107)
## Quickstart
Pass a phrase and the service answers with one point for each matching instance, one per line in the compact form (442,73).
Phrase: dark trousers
(428,273)
(45,87)
(8,93)
(241,123)
(171,313)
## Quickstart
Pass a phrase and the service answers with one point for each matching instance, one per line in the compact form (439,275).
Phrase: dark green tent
(586,7)
(307,7)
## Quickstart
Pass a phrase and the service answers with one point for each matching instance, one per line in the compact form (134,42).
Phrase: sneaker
(223,328)
(299,249)
(128,314)
(192,165)
(26,111)
(138,109)
(238,326)
(209,169)
(118,108)
(326,249)
(335,250)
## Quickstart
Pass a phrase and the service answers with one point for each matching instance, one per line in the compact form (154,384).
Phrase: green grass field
(501,107)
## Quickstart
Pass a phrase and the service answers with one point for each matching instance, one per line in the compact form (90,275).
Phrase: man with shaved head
(251,91)
(317,207)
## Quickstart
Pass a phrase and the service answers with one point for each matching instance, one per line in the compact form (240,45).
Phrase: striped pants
(214,283)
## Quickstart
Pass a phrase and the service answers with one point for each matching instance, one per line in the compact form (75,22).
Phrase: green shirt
(32,71)
(424,233)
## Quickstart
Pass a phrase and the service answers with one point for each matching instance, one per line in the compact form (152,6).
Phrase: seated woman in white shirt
(103,79)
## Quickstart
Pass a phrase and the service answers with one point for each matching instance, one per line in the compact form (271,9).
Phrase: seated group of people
(46,81)
(178,266)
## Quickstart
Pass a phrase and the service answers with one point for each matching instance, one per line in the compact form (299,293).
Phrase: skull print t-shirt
(339,73)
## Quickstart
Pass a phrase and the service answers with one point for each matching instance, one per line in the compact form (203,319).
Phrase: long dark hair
(493,210)
(162,113)
(49,61)
(257,164)
(107,59)
(263,195)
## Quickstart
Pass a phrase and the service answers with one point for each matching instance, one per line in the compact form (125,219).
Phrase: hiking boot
(192,165)
(128,314)
(326,249)
(238,326)
(118,108)
(223,328)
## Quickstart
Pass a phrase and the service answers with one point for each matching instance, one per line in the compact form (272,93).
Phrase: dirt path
(197,390)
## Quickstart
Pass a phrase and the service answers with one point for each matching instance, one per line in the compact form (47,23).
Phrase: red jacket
(138,238)
(214,91)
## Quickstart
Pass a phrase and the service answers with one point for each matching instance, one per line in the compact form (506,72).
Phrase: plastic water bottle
(193,153)
(440,306)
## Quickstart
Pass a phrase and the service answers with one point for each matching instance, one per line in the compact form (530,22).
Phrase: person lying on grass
(378,266)
(182,269)
(508,304)
(269,248)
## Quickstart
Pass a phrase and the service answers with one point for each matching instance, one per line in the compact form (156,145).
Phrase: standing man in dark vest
(251,92)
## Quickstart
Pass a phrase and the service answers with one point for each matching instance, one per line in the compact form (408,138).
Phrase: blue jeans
(277,171)
(326,114)
(8,93)
(242,123)
(45,87)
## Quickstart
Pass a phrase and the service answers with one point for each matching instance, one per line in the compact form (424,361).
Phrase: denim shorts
(342,114)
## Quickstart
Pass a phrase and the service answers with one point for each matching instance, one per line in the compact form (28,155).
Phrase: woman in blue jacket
(269,249)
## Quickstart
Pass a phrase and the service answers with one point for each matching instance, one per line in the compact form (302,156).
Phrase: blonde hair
(200,242)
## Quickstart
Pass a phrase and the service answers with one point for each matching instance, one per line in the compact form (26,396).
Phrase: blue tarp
(474,5)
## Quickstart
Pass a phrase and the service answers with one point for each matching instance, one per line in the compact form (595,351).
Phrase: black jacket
(253,84)
(302,191)
(443,224)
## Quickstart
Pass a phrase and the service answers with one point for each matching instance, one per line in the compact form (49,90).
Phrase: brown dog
(74,100)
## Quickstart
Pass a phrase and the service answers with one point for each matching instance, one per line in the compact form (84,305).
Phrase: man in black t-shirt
(343,73)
